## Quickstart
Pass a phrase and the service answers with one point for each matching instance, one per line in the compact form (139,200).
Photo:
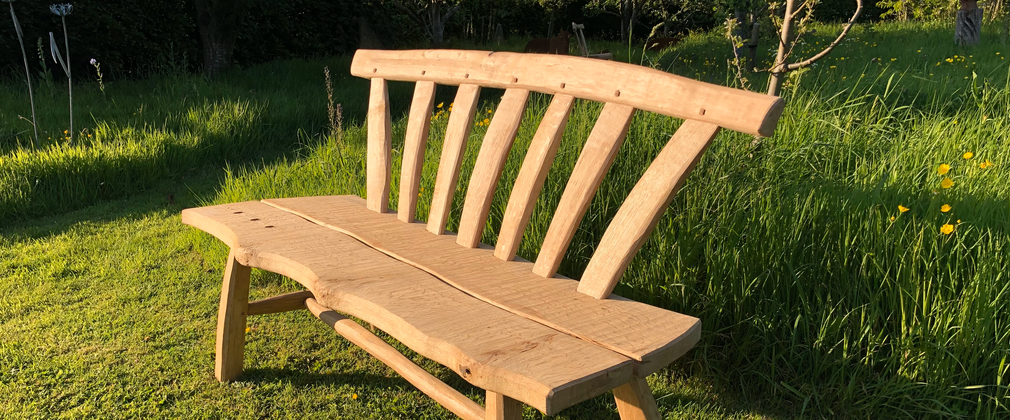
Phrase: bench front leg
(635,401)
(500,407)
(231,318)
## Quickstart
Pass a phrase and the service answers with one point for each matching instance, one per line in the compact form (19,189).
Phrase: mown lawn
(818,263)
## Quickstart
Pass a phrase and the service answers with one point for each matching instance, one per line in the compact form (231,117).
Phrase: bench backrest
(621,87)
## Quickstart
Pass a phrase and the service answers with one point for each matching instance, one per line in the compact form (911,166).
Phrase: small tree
(787,41)
(429,15)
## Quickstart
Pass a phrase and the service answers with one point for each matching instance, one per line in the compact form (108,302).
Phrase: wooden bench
(512,327)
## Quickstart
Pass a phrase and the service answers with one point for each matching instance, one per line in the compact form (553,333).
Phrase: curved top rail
(598,80)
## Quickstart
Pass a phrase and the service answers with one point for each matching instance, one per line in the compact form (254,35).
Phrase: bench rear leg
(635,401)
(500,407)
(231,320)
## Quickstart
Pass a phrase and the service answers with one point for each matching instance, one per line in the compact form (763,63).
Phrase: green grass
(815,303)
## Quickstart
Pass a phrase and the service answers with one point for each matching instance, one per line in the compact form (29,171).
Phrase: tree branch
(827,50)
(452,10)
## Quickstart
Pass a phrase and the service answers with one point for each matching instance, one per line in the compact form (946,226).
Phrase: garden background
(821,262)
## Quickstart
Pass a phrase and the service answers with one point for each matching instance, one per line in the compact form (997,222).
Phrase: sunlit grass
(813,286)
(820,264)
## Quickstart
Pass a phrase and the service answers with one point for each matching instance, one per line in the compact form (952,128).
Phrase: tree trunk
(968,28)
(217,21)
(437,25)
(778,72)
(740,16)
(627,19)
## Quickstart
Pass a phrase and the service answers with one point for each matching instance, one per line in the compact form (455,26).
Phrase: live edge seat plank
(651,336)
(489,347)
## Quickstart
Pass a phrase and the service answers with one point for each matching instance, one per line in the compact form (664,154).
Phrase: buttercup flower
(968,155)
(947,183)
(943,169)
(902,208)
(945,208)
(947,229)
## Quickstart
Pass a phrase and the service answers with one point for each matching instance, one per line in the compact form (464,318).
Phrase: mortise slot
(702,111)
(253,220)
(562,85)
(618,93)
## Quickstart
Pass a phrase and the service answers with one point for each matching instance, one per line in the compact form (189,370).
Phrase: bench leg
(635,401)
(500,407)
(231,321)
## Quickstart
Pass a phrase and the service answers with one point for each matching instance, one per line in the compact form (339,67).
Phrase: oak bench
(512,327)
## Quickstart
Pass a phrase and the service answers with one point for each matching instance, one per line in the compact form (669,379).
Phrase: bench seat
(495,323)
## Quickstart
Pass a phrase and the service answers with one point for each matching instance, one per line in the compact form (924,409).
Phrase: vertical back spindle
(488,168)
(594,162)
(531,177)
(644,206)
(456,133)
(380,142)
(413,149)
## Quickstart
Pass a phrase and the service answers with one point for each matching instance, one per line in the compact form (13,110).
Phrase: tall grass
(143,132)
(815,290)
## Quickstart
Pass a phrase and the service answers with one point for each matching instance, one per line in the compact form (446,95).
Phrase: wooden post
(635,401)
(500,407)
(968,27)
(231,320)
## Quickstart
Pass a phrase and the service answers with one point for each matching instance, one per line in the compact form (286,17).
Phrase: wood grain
(488,167)
(282,303)
(653,336)
(380,143)
(531,177)
(489,347)
(456,133)
(231,320)
(635,401)
(413,149)
(644,206)
(603,81)
(593,163)
(443,394)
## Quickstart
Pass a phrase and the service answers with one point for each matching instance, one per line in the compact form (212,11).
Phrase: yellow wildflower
(902,208)
(945,208)
(440,104)
(943,169)
(487,121)
(247,329)
(947,229)
(968,155)
(354,396)
(892,218)
(947,183)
